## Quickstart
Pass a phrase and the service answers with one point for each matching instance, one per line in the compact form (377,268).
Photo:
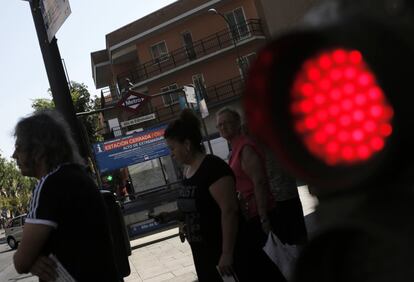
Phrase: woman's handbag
(283,255)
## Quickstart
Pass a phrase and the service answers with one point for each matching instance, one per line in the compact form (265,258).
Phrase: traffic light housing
(331,97)
(333,100)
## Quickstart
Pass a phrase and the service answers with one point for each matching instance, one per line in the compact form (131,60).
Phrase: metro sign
(133,101)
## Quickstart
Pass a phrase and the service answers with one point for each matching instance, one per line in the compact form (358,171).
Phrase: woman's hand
(225,264)
(44,268)
(266,226)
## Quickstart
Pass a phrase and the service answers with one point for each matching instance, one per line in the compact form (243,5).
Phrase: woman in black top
(208,199)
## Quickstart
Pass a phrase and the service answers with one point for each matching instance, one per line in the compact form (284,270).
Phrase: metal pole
(56,76)
(198,87)
(163,172)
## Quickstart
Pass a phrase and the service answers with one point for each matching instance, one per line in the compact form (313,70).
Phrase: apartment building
(181,44)
(208,44)
(186,44)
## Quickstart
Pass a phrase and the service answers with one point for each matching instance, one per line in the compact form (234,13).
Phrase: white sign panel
(137,120)
(190,94)
(54,13)
(203,108)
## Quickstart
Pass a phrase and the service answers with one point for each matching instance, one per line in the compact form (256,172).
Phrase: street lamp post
(240,60)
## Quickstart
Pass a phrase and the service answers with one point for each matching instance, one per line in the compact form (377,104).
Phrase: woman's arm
(253,167)
(28,256)
(224,193)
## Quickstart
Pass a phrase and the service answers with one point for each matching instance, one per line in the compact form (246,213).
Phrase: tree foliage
(82,102)
(15,189)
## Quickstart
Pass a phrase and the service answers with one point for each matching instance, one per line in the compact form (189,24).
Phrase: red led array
(339,109)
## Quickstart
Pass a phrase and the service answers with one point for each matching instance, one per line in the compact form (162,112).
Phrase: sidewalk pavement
(162,257)
(158,257)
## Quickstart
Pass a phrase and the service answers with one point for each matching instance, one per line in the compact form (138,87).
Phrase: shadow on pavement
(6,251)
(20,277)
(153,242)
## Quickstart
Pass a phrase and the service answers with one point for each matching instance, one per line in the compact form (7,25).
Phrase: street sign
(190,94)
(133,101)
(54,13)
(138,120)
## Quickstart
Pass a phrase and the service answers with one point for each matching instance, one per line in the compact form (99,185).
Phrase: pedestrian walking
(207,201)
(255,197)
(65,208)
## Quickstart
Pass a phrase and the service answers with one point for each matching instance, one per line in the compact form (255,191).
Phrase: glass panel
(16,222)
(241,23)
(159,52)
(188,44)
(239,28)
(233,25)
(171,98)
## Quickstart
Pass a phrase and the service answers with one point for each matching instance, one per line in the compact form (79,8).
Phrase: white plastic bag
(283,255)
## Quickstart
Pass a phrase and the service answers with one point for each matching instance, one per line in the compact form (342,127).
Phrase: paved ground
(159,257)
(170,260)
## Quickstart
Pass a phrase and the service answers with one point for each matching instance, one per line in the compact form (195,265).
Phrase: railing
(216,95)
(208,45)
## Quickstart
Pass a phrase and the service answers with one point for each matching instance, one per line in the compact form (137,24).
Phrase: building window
(189,45)
(172,98)
(238,25)
(159,52)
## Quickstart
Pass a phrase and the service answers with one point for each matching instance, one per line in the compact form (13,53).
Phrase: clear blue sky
(22,72)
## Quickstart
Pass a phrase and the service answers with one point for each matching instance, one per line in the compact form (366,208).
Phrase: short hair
(46,135)
(235,114)
(186,127)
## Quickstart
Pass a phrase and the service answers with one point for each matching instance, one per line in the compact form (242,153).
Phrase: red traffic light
(339,111)
(334,112)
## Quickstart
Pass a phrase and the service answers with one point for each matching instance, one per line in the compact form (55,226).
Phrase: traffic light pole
(56,76)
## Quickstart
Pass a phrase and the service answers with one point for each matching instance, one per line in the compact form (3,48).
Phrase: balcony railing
(216,96)
(205,46)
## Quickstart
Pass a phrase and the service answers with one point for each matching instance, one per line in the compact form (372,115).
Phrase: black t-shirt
(202,213)
(68,200)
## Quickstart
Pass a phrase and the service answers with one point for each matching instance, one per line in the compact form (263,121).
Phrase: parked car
(14,231)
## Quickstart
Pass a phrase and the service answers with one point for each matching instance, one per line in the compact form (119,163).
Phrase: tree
(15,189)
(82,102)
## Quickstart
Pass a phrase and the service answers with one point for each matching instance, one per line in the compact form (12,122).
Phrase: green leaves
(82,102)
(15,189)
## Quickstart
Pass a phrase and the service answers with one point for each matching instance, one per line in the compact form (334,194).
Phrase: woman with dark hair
(207,200)
(64,202)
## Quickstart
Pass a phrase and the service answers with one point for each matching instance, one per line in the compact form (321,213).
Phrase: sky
(22,72)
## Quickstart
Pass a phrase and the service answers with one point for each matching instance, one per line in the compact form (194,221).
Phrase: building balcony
(199,50)
(216,96)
